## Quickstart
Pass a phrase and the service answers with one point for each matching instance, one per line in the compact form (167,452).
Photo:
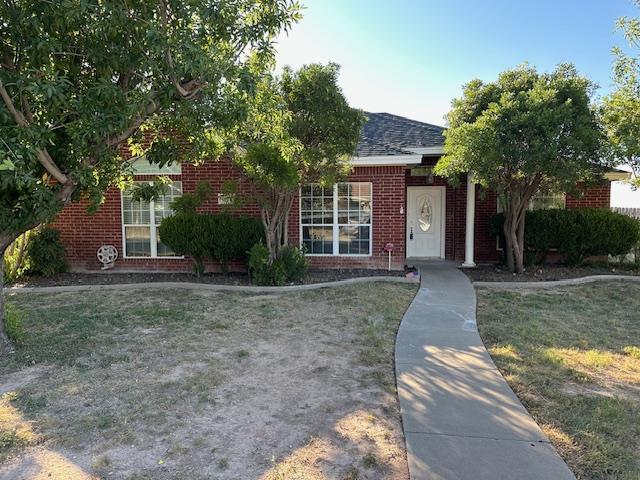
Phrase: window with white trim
(547,200)
(141,221)
(336,220)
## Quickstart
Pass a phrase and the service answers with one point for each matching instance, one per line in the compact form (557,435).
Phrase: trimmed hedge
(204,236)
(576,234)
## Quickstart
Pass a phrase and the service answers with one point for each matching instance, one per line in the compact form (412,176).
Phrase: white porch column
(470,222)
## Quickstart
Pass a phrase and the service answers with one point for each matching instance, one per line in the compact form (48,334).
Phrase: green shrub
(294,263)
(46,253)
(232,237)
(13,321)
(290,266)
(259,267)
(575,234)
(187,234)
(218,237)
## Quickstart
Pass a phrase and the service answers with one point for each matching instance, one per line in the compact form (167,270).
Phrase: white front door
(425,213)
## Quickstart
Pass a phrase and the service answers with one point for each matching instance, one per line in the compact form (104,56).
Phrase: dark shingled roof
(386,134)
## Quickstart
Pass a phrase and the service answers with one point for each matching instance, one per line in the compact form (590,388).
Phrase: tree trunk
(6,346)
(275,220)
(513,230)
(520,236)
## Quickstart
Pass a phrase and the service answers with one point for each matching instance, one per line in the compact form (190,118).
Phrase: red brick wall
(595,197)
(83,234)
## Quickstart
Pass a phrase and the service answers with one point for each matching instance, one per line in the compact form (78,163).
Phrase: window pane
(547,200)
(353,211)
(318,239)
(354,240)
(162,249)
(134,212)
(137,241)
(163,203)
(142,166)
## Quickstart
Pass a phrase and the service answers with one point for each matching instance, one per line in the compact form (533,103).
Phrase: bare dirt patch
(160,385)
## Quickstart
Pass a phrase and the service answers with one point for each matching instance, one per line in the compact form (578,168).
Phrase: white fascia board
(617,175)
(386,160)
(439,150)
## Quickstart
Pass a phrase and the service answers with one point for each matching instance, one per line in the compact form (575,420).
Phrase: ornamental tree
(523,133)
(621,108)
(79,79)
(311,135)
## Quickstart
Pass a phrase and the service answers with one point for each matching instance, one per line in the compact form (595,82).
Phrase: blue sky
(411,57)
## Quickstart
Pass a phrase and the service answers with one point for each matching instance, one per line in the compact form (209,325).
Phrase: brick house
(391,196)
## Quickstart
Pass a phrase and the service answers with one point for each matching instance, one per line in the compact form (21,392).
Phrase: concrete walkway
(461,420)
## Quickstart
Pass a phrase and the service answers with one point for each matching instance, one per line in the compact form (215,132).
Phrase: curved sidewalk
(461,420)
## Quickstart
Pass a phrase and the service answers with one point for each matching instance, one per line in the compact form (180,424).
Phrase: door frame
(443,205)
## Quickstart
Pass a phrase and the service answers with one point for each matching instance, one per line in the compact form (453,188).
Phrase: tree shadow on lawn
(157,385)
(570,355)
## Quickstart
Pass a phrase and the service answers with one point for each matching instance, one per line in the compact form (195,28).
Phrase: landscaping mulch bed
(111,277)
(499,273)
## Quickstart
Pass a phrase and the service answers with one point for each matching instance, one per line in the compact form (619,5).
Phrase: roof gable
(387,134)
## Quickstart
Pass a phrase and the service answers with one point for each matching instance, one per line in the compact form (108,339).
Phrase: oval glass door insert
(425,215)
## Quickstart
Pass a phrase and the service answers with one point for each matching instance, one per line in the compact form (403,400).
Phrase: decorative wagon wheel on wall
(107,254)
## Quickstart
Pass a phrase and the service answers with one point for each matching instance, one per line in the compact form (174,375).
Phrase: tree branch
(186,90)
(42,154)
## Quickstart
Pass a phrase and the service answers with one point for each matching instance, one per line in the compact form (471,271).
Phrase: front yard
(191,384)
(573,357)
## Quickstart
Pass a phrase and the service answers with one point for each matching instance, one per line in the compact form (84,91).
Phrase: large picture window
(141,221)
(336,220)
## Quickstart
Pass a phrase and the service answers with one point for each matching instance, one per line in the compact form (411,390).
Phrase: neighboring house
(391,196)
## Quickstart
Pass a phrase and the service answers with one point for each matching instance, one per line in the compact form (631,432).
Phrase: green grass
(572,356)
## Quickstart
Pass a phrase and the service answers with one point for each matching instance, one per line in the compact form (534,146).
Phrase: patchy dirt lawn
(178,384)
(572,355)
(538,273)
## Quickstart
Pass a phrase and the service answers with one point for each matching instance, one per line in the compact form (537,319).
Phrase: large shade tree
(312,135)
(621,108)
(79,79)
(523,133)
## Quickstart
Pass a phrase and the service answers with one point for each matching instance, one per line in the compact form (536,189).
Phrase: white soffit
(386,160)
(439,150)
(617,175)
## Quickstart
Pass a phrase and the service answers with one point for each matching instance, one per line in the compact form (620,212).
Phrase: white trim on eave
(386,160)
(617,175)
(439,150)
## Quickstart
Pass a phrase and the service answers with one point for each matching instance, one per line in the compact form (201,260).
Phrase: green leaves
(303,129)
(620,110)
(87,76)
(7,165)
(522,125)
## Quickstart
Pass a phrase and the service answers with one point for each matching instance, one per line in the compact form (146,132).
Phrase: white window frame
(141,166)
(336,226)
(153,229)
